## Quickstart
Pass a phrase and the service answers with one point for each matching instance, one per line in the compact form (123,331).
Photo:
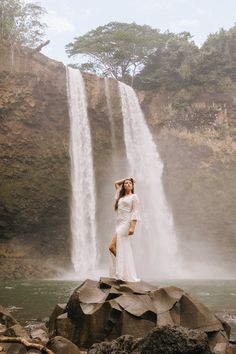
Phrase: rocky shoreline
(111,316)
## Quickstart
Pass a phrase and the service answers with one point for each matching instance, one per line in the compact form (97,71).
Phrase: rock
(2,329)
(108,309)
(60,345)
(17,331)
(160,340)
(2,351)
(40,334)
(65,327)
(227,327)
(233,348)
(34,351)
(28,119)
(216,338)
(123,344)
(228,319)
(15,348)
(6,318)
(138,327)
(174,339)
(222,348)
(58,310)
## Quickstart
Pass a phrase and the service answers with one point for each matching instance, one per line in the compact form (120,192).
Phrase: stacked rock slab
(109,308)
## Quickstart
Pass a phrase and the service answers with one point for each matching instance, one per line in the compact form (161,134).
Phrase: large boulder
(14,348)
(108,308)
(39,333)
(60,345)
(58,310)
(17,331)
(6,318)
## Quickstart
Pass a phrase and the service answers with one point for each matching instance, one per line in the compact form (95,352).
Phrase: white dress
(122,266)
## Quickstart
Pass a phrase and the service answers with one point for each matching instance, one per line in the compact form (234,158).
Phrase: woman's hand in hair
(120,181)
(133,179)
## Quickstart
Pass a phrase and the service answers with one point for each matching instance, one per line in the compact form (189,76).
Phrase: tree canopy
(179,63)
(116,49)
(148,59)
(172,64)
(20,23)
(219,55)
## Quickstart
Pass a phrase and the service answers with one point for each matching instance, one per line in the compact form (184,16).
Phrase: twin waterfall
(155,245)
(83,201)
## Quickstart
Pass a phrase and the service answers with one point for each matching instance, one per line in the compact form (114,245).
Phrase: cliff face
(34,137)
(197,143)
(35,162)
(195,137)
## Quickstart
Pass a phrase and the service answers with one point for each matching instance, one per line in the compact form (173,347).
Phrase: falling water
(110,114)
(111,121)
(156,245)
(119,161)
(83,208)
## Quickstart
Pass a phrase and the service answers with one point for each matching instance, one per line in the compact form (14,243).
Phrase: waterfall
(156,244)
(110,114)
(111,121)
(119,160)
(83,201)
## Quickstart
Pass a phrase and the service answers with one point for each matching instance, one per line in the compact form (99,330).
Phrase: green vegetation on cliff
(179,63)
(148,59)
(20,23)
(116,49)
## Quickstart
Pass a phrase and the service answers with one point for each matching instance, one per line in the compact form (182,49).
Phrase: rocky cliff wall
(196,137)
(34,140)
(35,162)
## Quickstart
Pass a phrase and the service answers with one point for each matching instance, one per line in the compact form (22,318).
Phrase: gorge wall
(195,137)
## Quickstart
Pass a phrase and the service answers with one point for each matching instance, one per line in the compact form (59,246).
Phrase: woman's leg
(112,247)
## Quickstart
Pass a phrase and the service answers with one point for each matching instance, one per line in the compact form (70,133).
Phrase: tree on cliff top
(20,23)
(173,65)
(218,58)
(179,63)
(116,49)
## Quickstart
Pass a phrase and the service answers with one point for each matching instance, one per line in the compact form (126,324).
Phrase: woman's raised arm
(120,181)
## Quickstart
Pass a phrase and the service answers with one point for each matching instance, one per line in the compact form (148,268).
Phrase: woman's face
(128,185)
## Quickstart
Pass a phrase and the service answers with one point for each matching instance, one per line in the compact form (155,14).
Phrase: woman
(121,256)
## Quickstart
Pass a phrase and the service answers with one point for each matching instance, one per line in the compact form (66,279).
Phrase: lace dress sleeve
(135,211)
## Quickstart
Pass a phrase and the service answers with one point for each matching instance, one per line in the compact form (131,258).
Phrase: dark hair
(122,192)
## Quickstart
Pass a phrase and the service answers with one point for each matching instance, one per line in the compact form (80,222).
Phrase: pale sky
(67,19)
